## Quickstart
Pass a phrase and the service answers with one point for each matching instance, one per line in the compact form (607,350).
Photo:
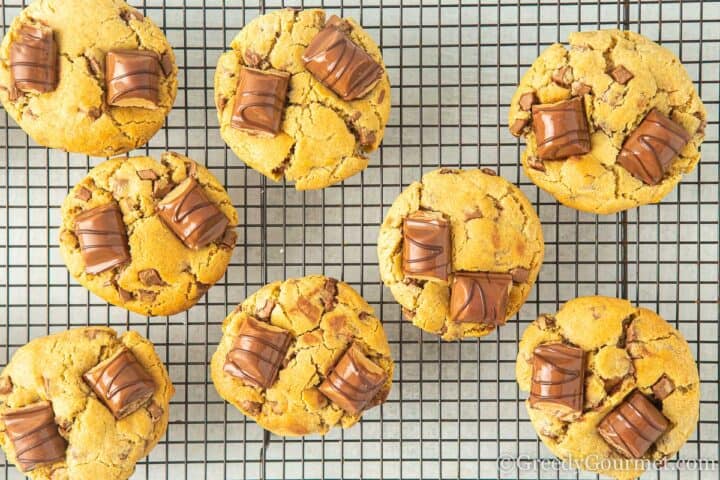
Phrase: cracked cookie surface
(323,139)
(324,322)
(626,348)
(163,276)
(76,116)
(99,446)
(493,228)
(595,66)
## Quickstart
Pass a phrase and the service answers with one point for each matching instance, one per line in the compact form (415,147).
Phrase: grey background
(455,407)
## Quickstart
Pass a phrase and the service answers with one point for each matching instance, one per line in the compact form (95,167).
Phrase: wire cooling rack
(455,407)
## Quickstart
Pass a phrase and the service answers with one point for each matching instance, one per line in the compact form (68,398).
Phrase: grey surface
(455,407)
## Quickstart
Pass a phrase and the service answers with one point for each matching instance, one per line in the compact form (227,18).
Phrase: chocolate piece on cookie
(633,426)
(34,435)
(558,378)
(354,381)
(426,246)
(339,64)
(190,214)
(480,297)
(132,78)
(257,353)
(121,383)
(561,129)
(34,59)
(651,147)
(260,100)
(102,237)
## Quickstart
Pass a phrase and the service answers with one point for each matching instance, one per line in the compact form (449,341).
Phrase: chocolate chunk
(518,126)
(150,277)
(329,294)
(580,89)
(121,383)
(155,411)
(83,194)
(480,297)
(562,76)
(651,148)
(354,381)
(408,314)
(229,238)
(339,64)
(125,296)
(252,59)
(633,426)
(527,100)
(6,385)
(166,63)
(621,74)
(131,14)
(161,188)
(426,246)
(132,78)
(561,129)
(367,137)
(260,100)
(147,295)
(558,378)
(94,66)
(265,312)
(520,274)
(381,96)
(663,388)
(536,164)
(489,171)
(257,353)
(147,174)
(34,435)
(189,213)
(102,237)
(34,59)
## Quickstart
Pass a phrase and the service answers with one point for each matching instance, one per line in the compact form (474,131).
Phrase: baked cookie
(612,386)
(148,236)
(460,251)
(87,76)
(611,122)
(303,98)
(83,404)
(302,356)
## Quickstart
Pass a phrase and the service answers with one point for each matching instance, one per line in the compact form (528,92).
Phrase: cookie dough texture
(186,274)
(594,182)
(324,139)
(626,348)
(99,447)
(493,228)
(322,333)
(75,117)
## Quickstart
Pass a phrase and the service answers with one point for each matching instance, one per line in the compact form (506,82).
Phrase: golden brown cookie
(637,382)
(611,122)
(302,356)
(53,426)
(148,236)
(103,76)
(460,251)
(326,132)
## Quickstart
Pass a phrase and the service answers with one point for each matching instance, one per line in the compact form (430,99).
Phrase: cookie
(83,404)
(303,98)
(611,122)
(460,251)
(148,236)
(303,356)
(87,76)
(612,386)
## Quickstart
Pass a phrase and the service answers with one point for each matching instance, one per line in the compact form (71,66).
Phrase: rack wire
(455,407)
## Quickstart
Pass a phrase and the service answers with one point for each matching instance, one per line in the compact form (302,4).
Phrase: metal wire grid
(455,407)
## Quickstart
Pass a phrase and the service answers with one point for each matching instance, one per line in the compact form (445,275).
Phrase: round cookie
(460,251)
(645,121)
(302,356)
(322,138)
(81,434)
(155,260)
(63,101)
(630,357)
